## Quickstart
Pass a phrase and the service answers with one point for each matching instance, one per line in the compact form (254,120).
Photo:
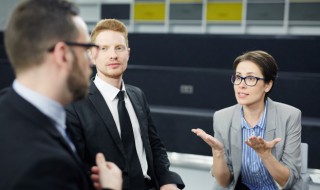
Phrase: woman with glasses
(256,143)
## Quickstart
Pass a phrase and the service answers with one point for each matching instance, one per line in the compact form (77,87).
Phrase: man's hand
(106,174)
(169,187)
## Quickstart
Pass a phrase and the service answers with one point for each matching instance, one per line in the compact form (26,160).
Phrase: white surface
(194,179)
(315,178)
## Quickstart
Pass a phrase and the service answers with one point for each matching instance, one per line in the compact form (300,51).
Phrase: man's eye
(120,48)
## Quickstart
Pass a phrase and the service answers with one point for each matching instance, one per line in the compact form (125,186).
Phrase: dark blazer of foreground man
(44,41)
(92,123)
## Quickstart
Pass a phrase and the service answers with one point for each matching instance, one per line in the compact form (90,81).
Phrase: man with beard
(128,137)
(46,42)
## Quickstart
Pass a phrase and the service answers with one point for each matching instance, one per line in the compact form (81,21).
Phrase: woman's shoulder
(282,107)
(228,110)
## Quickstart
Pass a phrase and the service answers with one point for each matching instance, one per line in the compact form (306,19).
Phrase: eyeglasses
(248,80)
(85,45)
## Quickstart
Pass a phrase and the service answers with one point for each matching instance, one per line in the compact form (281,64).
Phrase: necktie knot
(120,95)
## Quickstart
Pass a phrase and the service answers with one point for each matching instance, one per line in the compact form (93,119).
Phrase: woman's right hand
(215,144)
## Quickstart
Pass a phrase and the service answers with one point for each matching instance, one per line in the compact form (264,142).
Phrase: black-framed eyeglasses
(85,45)
(248,80)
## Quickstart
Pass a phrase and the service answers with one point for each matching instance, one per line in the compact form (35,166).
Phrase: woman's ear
(268,86)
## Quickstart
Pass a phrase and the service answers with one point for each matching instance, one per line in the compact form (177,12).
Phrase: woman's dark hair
(266,63)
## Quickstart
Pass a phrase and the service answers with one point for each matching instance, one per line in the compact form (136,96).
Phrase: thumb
(276,141)
(100,160)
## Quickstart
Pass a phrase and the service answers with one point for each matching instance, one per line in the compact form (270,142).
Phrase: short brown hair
(109,24)
(266,63)
(34,26)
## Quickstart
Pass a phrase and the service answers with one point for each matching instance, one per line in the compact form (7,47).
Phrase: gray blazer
(282,121)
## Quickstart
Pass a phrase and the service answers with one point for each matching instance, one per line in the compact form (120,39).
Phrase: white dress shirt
(109,94)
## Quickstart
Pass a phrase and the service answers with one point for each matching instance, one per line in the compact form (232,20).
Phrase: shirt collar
(106,89)
(262,121)
(47,106)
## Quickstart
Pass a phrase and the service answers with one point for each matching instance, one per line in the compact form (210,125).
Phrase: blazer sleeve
(221,125)
(291,155)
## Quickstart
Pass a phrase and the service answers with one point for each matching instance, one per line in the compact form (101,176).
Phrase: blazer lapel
(41,120)
(271,123)
(102,108)
(236,142)
(141,116)
(55,134)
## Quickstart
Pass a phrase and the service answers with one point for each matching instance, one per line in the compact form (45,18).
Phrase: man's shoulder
(4,93)
(133,88)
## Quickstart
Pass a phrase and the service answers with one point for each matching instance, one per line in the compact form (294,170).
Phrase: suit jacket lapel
(236,142)
(270,133)
(42,120)
(140,116)
(102,108)
(55,134)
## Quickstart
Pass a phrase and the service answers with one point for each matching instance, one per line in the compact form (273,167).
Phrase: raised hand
(214,143)
(106,174)
(262,147)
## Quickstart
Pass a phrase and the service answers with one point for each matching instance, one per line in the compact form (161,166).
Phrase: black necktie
(136,179)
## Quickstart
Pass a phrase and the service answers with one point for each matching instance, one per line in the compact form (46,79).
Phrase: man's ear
(91,55)
(62,54)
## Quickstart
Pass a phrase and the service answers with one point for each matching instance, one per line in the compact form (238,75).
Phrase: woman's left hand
(262,147)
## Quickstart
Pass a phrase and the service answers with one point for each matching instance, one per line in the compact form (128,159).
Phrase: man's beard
(78,83)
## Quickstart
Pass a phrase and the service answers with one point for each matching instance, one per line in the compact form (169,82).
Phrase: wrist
(265,156)
(217,153)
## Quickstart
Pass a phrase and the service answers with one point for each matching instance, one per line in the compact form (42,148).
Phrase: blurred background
(181,57)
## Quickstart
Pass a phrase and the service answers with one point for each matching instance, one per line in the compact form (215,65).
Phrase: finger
(275,141)
(278,139)
(260,140)
(97,185)
(253,138)
(197,131)
(202,134)
(249,143)
(95,169)
(94,177)
(100,160)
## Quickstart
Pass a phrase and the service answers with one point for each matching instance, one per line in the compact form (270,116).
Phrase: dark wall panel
(117,11)
(211,89)
(293,53)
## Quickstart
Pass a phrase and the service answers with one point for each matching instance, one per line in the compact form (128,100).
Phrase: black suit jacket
(94,130)
(34,156)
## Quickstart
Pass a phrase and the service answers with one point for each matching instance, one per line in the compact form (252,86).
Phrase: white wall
(6,6)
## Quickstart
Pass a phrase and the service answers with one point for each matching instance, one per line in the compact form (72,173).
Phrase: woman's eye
(250,78)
